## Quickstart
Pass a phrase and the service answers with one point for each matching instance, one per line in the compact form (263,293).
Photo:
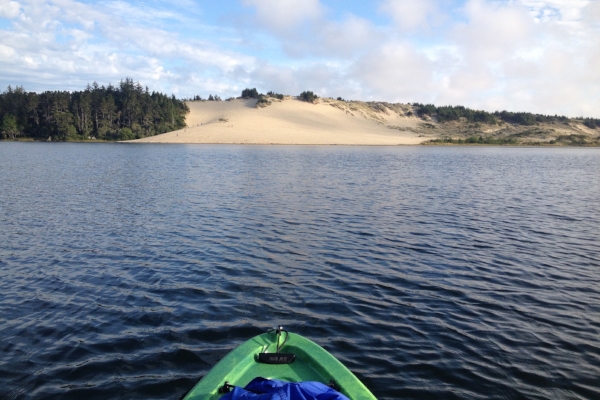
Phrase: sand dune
(291,121)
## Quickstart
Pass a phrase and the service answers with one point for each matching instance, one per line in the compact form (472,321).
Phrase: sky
(540,56)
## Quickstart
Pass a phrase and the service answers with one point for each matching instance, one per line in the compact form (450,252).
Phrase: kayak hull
(312,363)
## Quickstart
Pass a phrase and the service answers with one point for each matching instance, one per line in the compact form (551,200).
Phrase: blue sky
(520,55)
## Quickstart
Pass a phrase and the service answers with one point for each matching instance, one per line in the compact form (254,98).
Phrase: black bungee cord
(278,331)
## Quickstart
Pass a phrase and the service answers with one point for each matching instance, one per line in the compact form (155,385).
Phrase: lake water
(128,271)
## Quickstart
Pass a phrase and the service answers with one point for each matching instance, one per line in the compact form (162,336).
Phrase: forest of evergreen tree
(127,111)
(456,113)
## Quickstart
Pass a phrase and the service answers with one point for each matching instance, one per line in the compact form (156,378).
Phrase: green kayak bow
(278,355)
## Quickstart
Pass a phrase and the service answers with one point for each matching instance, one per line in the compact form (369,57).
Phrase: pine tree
(9,127)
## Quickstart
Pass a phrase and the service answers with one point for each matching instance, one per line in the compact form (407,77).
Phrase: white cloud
(9,9)
(513,60)
(344,38)
(285,16)
(68,43)
(521,55)
(563,10)
(493,31)
(6,52)
(395,72)
(409,14)
(333,39)
(470,69)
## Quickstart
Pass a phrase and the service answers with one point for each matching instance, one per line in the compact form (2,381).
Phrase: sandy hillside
(292,121)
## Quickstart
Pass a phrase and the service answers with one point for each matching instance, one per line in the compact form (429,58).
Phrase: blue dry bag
(267,389)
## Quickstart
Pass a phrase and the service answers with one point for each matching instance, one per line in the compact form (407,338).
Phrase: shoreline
(290,121)
(424,144)
(135,142)
(328,122)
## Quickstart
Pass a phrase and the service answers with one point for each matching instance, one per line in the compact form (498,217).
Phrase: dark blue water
(127,271)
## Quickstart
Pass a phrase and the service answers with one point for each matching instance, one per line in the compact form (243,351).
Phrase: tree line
(253,94)
(455,113)
(123,112)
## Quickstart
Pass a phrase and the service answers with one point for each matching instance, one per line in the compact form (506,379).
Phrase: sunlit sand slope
(292,121)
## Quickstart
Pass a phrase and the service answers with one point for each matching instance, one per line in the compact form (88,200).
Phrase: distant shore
(128,113)
(291,121)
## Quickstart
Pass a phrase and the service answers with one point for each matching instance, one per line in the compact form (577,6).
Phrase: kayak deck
(312,363)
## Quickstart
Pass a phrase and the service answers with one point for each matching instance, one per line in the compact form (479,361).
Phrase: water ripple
(129,271)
